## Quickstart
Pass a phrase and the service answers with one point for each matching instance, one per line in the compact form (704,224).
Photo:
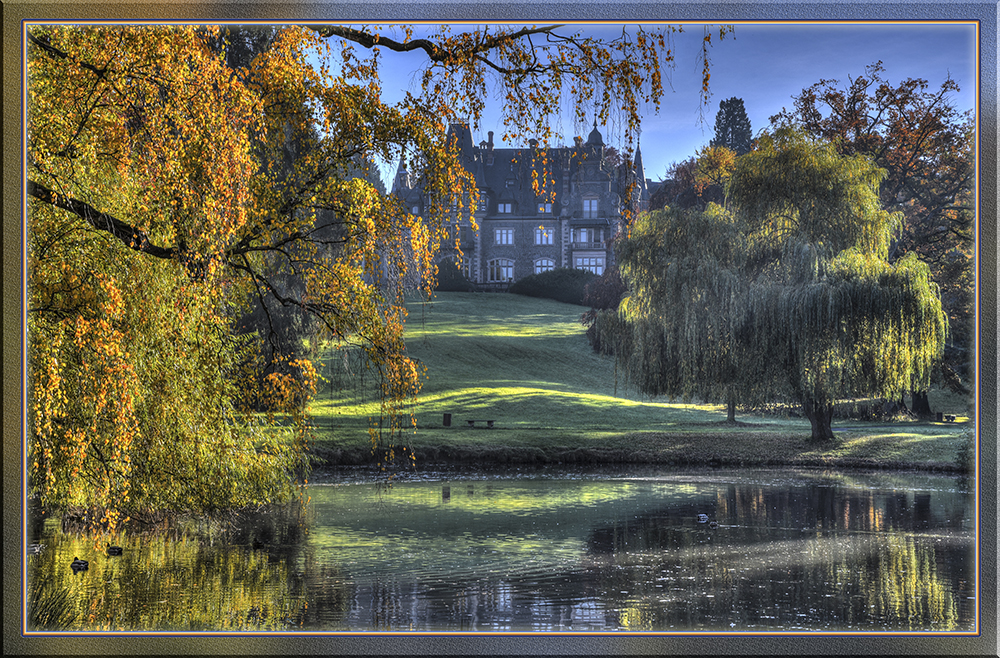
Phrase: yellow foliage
(171,189)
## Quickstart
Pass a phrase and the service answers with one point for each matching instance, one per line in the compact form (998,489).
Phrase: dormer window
(511,183)
(544,208)
(590,208)
(505,208)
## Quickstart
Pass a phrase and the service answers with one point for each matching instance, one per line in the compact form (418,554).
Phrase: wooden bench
(472,423)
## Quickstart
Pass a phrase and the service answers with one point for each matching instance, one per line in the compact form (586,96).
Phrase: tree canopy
(790,296)
(176,176)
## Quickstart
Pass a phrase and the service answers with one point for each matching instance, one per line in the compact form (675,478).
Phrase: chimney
(489,144)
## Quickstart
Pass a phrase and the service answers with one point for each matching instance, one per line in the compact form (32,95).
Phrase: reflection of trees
(816,558)
(166,581)
(171,585)
(831,558)
(904,587)
(833,508)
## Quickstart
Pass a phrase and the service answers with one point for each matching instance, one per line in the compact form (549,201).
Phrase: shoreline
(489,457)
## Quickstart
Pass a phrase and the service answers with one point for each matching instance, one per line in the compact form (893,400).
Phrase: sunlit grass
(525,363)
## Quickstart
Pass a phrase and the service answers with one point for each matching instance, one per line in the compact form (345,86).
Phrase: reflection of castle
(521,233)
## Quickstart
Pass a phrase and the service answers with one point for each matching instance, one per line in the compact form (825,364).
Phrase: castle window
(544,265)
(504,236)
(416,210)
(590,208)
(500,269)
(511,183)
(587,235)
(544,208)
(505,208)
(593,264)
(543,235)
(484,202)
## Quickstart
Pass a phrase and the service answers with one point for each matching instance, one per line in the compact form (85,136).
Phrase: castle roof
(505,174)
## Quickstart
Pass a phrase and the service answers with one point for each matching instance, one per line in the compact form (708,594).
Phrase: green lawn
(526,364)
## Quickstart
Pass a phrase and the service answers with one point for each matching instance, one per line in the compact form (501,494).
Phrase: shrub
(451,279)
(605,291)
(561,284)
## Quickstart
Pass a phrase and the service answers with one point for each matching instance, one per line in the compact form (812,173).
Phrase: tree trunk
(820,415)
(731,412)
(920,405)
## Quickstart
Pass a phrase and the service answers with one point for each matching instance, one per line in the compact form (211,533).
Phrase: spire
(401,183)
(595,138)
(640,178)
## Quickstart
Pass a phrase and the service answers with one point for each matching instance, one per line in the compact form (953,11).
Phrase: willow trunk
(920,404)
(820,415)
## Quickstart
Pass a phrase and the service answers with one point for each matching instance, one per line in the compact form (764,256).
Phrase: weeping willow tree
(791,297)
(824,305)
(676,332)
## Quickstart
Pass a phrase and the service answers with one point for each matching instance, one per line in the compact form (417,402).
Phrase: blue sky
(765,64)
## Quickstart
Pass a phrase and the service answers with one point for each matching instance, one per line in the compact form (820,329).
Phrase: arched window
(544,265)
(500,269)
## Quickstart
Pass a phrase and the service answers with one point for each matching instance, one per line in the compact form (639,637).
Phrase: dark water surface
(712,550)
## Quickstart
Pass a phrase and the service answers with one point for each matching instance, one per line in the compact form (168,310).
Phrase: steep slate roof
(505,174)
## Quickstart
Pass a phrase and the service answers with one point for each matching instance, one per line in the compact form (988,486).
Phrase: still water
(712,550)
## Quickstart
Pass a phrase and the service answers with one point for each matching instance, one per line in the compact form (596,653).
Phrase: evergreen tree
(732,126)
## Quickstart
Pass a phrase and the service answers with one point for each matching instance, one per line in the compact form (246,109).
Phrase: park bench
(472,423)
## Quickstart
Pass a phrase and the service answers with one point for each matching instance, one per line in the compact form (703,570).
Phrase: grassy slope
(526,364)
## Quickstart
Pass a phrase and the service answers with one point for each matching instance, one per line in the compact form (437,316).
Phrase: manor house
(521,233)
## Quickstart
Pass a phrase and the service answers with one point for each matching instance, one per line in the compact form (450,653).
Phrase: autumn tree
(791,296)
(732,127)
(697,181)
(926,146)
(176,176)
(715,166)
(676,188)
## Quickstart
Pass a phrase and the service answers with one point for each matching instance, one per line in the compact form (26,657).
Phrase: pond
(538,550)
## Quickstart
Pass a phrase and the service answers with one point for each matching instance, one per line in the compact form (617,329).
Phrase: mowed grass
(525,363)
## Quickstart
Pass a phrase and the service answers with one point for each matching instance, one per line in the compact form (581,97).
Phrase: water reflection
(706,551)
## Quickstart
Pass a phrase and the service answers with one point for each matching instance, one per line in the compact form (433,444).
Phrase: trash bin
(447,420)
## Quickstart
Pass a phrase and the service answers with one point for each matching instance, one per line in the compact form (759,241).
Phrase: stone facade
(521,234)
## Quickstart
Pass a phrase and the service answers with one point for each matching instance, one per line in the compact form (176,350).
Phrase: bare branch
(436,53)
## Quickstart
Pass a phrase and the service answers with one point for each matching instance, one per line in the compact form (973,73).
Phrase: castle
(522,234)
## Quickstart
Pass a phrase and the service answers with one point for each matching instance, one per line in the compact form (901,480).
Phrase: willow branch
(432,50)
